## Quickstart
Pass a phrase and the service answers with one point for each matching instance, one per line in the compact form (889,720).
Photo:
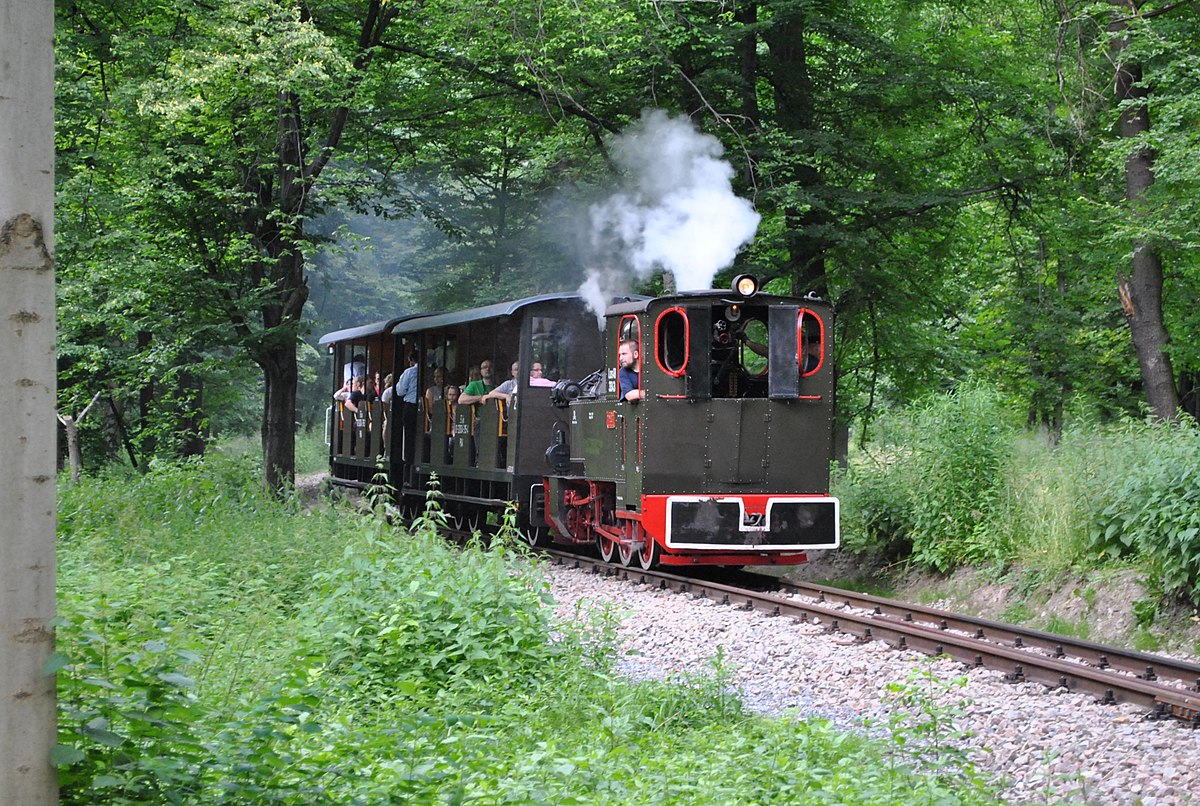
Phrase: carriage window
(671,341)
(754,354)
(549,347)
(812,343)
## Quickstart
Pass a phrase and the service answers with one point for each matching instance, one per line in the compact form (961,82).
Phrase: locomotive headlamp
(745,284)
(733,313)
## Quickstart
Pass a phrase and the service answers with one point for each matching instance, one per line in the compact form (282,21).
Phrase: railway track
(1164,687)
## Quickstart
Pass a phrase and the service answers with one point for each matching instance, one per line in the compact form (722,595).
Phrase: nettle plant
(1147,502)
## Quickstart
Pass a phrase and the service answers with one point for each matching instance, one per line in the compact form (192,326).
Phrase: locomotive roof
(641,304)
(361,331)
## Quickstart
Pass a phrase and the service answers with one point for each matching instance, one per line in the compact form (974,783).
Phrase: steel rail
(901,629)
(1126,661)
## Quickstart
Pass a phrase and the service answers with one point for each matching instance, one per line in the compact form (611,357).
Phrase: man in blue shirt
(406,395)
(629,375)
(406,386)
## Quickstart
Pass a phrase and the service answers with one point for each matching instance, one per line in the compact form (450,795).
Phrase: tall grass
(218,646)
(932,481)
(1041,514)
(954,482)
(312,454)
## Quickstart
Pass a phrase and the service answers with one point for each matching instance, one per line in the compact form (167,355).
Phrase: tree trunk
(27,398)
(191,439)
(123,432)
(1141,291)
(279,418)
(1189,393)
(75,456)
(147,440)
(70,425)
(789,76)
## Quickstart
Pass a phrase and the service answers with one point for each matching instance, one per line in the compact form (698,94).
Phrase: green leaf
(64,755)
(55,662)
(176,679)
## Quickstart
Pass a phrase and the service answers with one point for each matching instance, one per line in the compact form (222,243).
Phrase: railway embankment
(1111,606)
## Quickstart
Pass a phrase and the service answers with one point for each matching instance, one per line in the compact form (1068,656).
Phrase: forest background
(995,194)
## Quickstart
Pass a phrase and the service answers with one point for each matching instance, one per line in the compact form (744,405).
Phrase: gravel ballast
(1043,745)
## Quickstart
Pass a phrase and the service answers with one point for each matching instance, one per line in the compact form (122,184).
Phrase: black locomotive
(720,456)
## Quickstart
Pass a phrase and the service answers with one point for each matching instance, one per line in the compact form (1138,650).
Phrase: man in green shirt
(474,391)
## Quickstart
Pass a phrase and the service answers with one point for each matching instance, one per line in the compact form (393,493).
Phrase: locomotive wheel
(476,520)
(607,547)
(625,554)
(649,553)
(536,536)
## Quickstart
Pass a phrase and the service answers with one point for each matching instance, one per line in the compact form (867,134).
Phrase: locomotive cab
(725,456)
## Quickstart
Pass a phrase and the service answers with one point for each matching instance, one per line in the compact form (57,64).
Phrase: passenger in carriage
(406,394)
(506,390)
(358,396)
(535,376)
(451,404)
(356,367)
(509,388)
(475,390)
(434,393)
(355,401)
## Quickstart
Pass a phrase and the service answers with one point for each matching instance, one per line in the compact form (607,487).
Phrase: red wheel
(650,552)
(607,546)
(625,554)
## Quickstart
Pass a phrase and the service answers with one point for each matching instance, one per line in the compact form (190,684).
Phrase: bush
(218,647)
(933,481)
(1145,500)
(876,509)
(415,614)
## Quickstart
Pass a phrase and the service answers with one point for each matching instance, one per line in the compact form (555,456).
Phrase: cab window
(812,343)
(671,341)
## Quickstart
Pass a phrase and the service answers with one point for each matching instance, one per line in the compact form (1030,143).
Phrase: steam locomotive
(723,459)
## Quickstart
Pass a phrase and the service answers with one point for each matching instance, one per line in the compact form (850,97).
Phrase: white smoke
(676,210)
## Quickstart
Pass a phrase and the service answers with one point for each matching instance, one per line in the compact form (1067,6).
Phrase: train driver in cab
(629,374)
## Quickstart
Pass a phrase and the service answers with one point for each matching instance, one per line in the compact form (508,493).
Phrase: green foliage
(402,671)
(924,727)
(954,483)
(876,514)
(934,480)
(415,615)
(128,719)
(1145,500)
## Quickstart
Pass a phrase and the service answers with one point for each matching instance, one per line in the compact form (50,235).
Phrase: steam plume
(675,210)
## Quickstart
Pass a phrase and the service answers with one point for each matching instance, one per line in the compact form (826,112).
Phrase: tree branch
(462,65)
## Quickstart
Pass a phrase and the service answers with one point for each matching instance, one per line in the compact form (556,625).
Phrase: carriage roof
(362,331)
